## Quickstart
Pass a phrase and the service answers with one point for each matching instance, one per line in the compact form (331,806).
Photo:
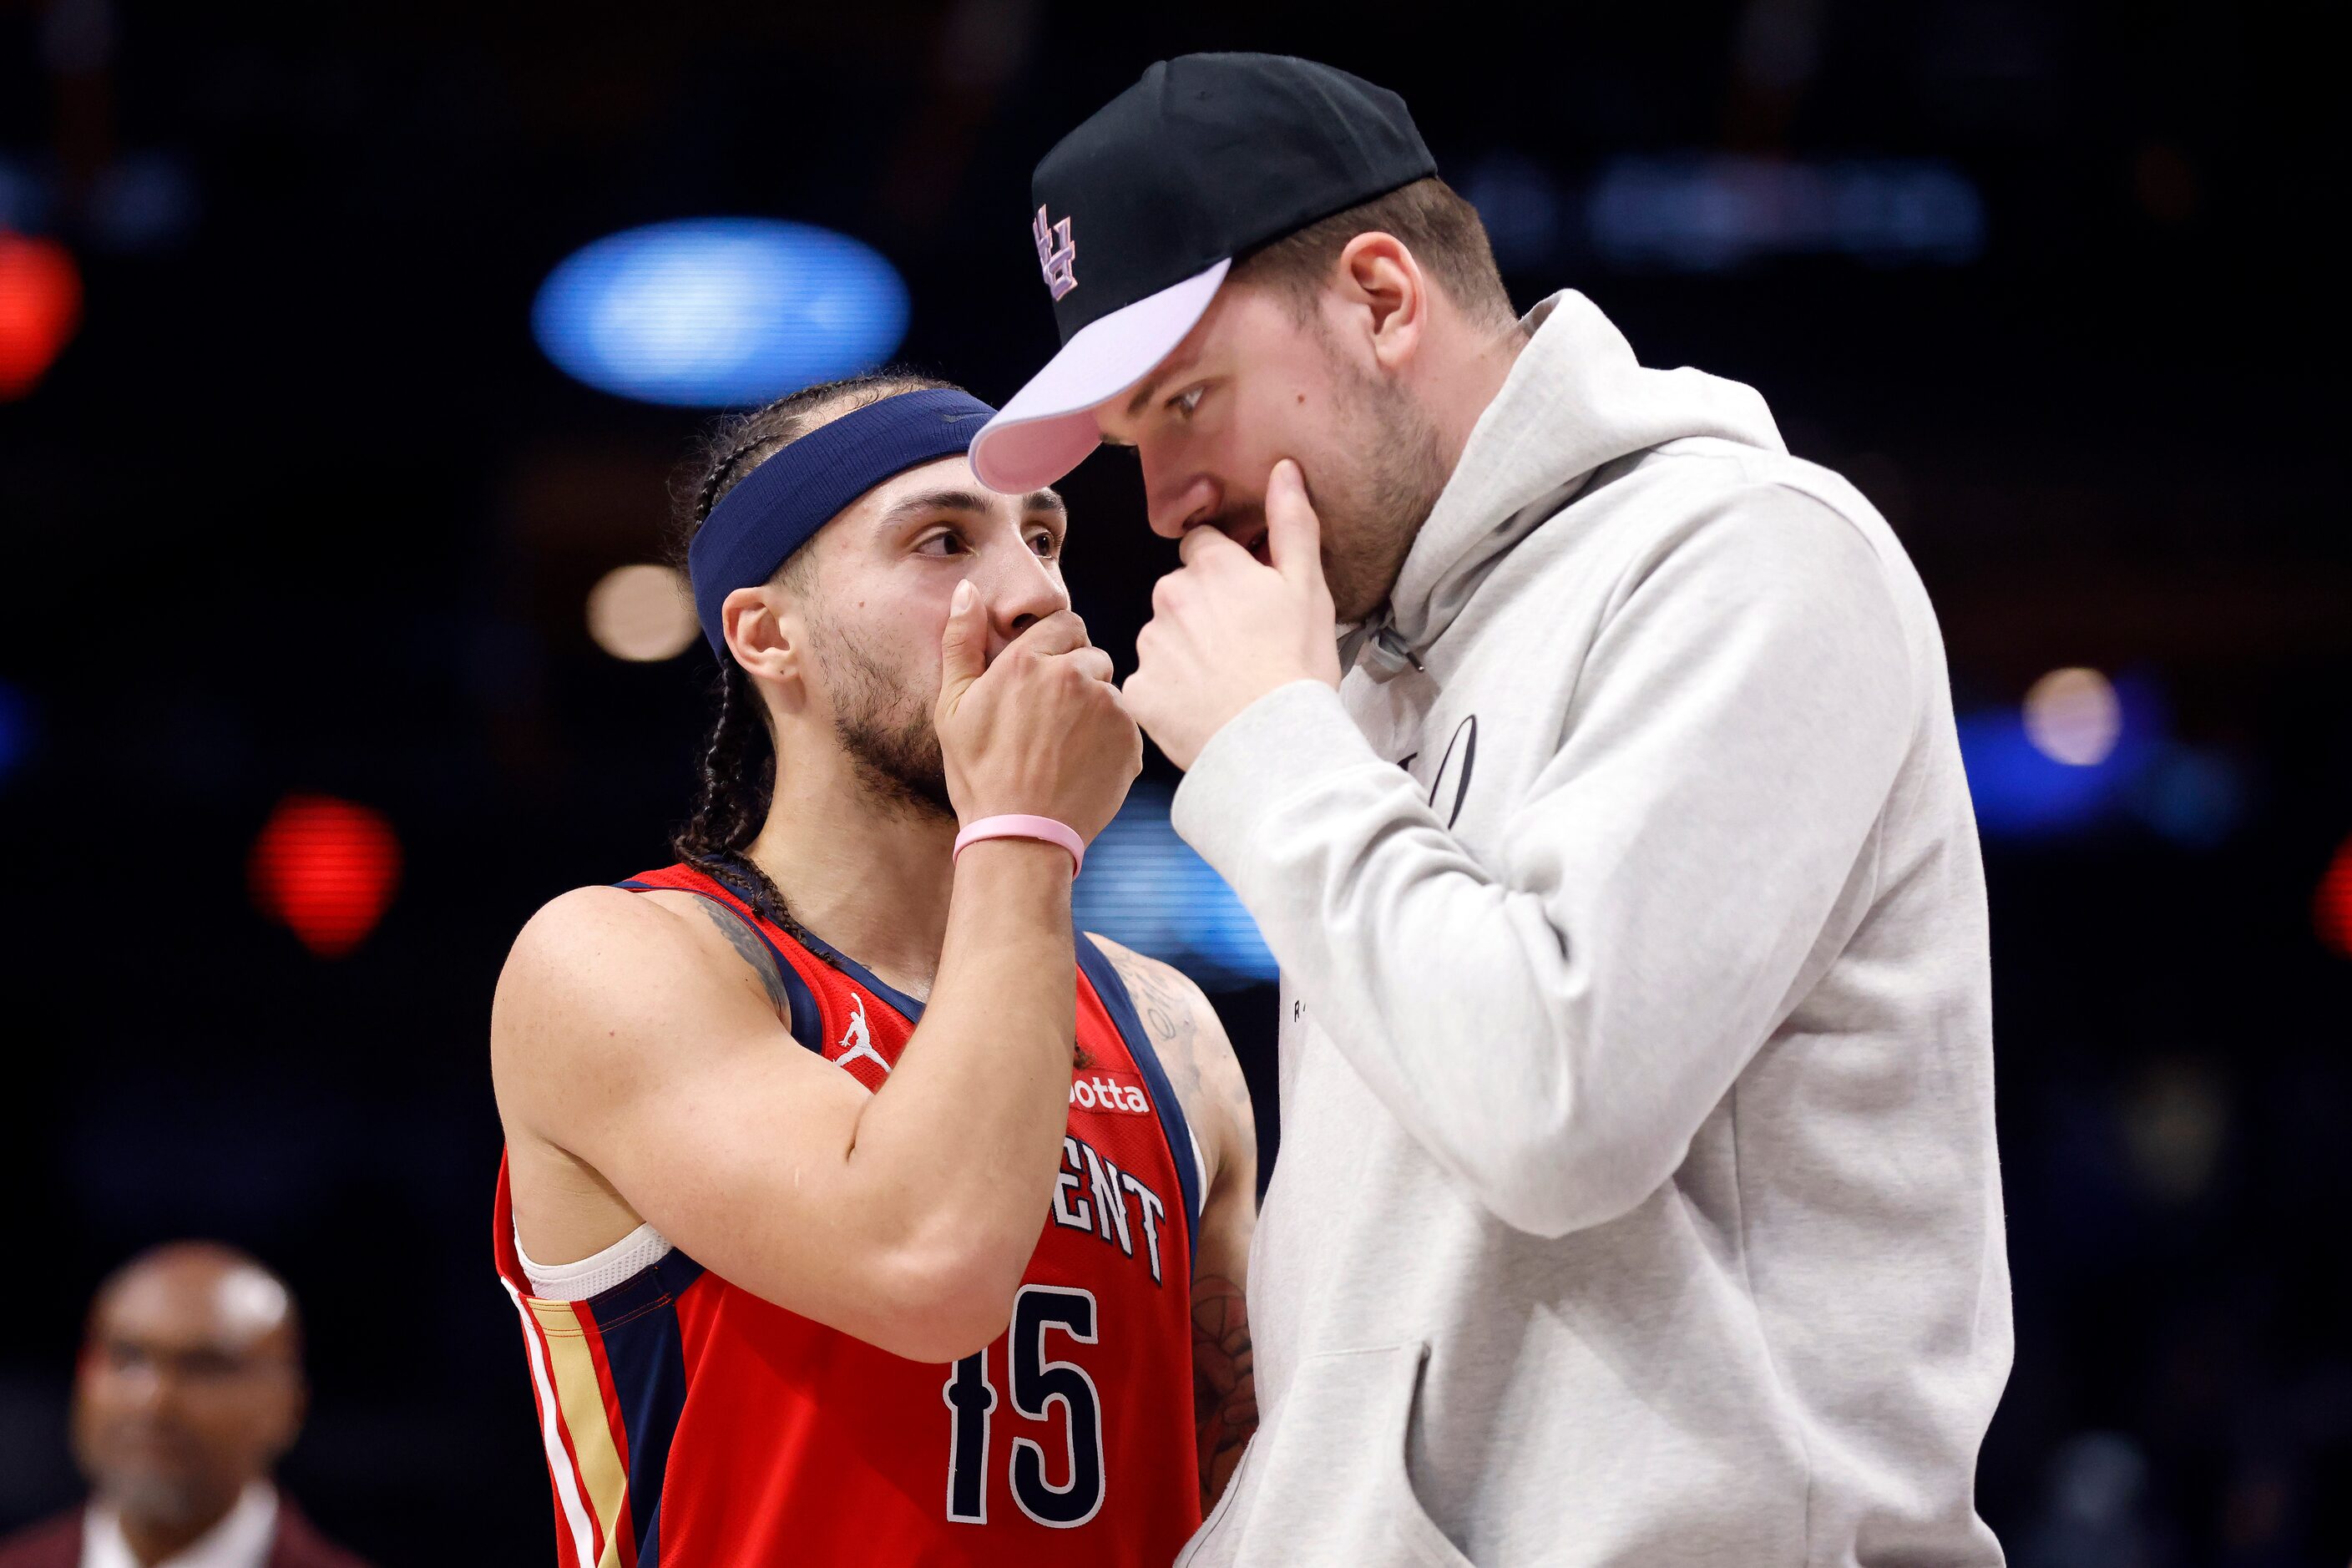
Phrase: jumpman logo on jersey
(858,1038)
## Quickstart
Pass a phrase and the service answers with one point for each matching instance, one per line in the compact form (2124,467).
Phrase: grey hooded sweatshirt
(1636,1201)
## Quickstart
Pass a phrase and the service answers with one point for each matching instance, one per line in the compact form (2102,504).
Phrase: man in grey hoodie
(1637,1200)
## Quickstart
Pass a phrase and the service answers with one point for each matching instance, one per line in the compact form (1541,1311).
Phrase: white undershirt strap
(592,1276)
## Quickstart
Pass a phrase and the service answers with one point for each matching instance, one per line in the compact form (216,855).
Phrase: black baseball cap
(1142,210)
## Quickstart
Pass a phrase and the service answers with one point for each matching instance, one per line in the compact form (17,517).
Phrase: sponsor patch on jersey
(1104,1088)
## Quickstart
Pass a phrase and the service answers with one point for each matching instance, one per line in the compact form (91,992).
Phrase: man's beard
(1372,499)
(178,1490)
(1372,508)
(895,752)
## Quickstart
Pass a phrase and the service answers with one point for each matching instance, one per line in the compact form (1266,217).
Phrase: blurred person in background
(1637,1201)
(914,1255)
(188,1391)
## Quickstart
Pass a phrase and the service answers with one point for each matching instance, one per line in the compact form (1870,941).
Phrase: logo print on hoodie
(1464,744)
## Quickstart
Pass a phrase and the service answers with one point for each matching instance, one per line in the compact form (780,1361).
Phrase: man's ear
(1378,276)
(765,635)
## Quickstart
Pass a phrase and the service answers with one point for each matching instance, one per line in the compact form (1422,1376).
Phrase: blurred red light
(325,870)
(2331,906)
(40,305)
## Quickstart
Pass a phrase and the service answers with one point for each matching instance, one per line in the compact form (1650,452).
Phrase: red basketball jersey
(688,1421)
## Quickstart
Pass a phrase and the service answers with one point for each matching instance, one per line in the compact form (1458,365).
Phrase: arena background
(294,505)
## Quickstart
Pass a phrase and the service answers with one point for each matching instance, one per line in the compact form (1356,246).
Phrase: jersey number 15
(1037,1385)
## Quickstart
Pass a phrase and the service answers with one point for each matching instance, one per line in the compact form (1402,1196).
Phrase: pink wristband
(1043,828)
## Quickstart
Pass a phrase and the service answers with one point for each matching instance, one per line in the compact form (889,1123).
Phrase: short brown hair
(1441,229)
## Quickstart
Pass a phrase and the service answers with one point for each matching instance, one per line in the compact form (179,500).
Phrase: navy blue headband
(756,526)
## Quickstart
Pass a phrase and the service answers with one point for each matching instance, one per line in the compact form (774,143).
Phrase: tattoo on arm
(1169,1018)
(754,952)
(1201,1064)
(1224,1384)
(1208,1080)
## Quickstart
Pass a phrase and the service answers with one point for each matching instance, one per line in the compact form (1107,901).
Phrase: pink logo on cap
(1057,253)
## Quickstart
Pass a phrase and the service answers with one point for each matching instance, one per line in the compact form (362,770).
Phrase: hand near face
(1038,731)
(1226,629)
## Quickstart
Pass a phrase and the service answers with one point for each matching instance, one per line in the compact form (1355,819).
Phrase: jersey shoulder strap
(1103,974)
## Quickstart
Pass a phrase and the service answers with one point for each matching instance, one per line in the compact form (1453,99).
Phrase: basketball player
(888,1246)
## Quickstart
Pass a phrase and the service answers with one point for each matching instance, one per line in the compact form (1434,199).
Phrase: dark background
(303,508)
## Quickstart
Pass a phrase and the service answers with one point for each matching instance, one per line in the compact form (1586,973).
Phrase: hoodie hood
(1576,399)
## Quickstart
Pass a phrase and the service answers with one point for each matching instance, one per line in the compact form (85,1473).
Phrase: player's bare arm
(644,1073)
(1199,1058)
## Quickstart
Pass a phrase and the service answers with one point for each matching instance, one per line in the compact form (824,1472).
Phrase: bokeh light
(2072,716)
(2196,797)
(325,870)
(2020,789)
(641,613)
(16,730)
(1708,211)
(714,313)
(2176,1122)
(1144,886)
(2331,906)
(40,306)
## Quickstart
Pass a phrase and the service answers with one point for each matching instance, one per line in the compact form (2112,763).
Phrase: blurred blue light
(25,197)
(143,201)
(1520,204)
(1697,213)
(1143,887)
(2194,797)
(714,313)
(2022,792)
(16,730)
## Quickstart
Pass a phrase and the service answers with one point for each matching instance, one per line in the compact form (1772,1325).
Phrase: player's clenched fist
(1040,731)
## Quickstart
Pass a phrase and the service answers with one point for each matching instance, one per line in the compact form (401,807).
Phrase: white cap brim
(1048,427)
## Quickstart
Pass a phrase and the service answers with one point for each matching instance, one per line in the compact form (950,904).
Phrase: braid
(738,782)
(715,482)
(731,802)
(727,798)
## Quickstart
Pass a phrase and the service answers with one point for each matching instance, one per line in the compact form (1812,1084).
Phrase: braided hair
(739,757)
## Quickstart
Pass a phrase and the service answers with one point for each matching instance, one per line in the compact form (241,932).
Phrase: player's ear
(1378,276)
(765,634)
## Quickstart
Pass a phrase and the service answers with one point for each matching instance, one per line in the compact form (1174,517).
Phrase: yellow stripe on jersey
(579,1399)
(559,1465)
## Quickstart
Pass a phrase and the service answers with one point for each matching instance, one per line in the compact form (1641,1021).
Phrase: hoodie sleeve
(1553,1022)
